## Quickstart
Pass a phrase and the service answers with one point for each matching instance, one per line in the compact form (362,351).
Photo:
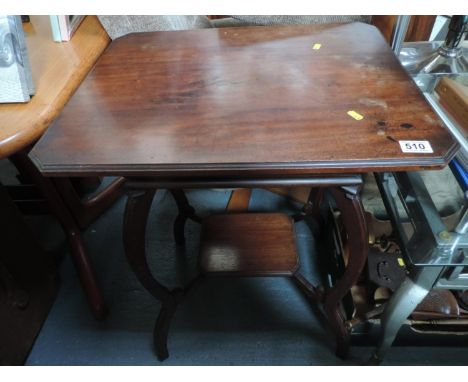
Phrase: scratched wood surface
(253,100)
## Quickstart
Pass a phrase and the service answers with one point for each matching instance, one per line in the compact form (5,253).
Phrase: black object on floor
(28,284)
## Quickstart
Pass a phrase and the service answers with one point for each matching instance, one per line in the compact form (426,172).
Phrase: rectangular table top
(252,100)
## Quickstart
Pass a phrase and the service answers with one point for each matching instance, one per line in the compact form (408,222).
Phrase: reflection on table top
(275,100)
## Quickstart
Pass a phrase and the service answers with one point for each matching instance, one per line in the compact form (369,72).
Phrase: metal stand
(436,256)
(436,58)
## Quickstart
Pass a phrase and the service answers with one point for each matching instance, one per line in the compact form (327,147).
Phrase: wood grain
(239,200)
(248,244)
(384,24)
(241,101)
(57,70)
(298,194)
(419,28)
(454,97)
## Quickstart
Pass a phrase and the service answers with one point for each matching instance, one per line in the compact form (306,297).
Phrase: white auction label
(416,147)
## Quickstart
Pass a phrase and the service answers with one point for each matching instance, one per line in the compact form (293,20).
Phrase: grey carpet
(261,321)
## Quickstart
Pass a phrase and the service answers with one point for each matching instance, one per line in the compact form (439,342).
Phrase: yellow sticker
(317,46)
(355,115)
(401,262)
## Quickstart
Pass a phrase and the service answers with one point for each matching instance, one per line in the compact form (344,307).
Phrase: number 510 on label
(420,147)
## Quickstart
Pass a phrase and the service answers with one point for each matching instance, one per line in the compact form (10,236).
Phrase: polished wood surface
(248,244)
(419,28)
(243,100)
(239,200)
(384,24)
(298,194)
(57,70)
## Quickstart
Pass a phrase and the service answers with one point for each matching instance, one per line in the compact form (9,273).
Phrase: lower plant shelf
(248,244)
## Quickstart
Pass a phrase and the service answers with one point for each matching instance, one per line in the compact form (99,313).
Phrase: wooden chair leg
(86,185)
(350,205)
(87,211)
(239,200)
(71,229)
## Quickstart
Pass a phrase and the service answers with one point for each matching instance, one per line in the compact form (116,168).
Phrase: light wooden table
(58,70)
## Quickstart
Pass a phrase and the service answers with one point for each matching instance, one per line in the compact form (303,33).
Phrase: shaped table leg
(186,211)
(134,235)
(348,200)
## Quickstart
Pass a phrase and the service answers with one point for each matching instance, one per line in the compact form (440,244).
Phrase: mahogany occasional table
(245,107)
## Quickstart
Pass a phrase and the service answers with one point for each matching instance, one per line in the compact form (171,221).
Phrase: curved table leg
(349,203)
(402,303)
(186,211)
(135,219)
